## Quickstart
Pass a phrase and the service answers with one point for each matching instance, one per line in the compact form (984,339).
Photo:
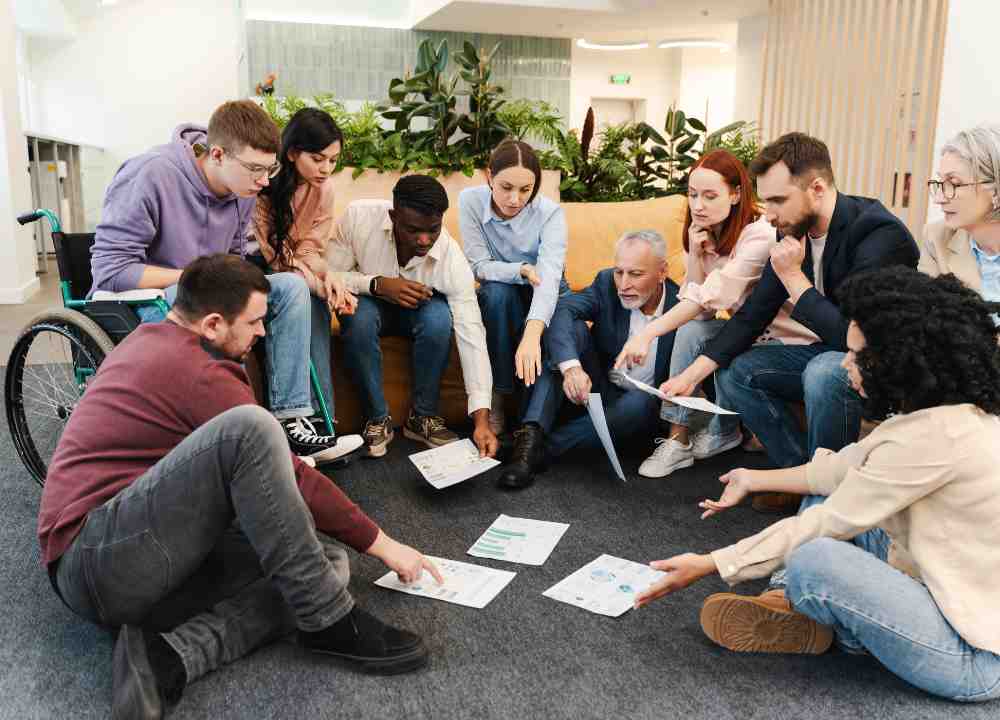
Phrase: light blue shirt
(496,248)
(989,273)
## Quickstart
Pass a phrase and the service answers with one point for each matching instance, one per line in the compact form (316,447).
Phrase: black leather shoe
(526,458)
(369,644)
(134,692)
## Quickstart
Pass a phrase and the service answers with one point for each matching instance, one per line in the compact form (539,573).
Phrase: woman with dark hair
(894,550)
(292,223)
(515,240)
(728,244)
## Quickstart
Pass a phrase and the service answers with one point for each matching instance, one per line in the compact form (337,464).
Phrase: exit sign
(621,79)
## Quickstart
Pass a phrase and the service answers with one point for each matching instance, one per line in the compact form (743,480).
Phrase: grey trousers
(213,546)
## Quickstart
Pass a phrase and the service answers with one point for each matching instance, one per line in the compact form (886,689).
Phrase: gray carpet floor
(523,656)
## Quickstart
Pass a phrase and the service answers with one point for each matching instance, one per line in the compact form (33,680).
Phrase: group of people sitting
(183,514)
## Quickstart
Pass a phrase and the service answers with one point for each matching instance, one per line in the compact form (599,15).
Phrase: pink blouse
(729,281)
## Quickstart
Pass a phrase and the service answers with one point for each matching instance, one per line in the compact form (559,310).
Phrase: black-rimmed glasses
(946,189)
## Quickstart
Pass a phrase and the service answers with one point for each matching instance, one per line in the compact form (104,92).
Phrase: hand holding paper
(695,403)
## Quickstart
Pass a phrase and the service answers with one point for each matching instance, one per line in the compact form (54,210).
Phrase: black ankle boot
(526,458)
(369,643)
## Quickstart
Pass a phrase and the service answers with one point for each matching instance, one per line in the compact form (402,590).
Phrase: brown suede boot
(777,503)
(766,623)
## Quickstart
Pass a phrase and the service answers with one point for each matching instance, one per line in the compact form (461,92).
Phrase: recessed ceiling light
(723,46)
(611,46)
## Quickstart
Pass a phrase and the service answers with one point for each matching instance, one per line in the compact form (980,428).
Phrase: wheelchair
(58,353)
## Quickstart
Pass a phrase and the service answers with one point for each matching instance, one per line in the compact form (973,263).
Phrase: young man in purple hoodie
(195,196)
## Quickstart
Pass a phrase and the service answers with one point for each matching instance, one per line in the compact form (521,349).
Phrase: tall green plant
(483,126)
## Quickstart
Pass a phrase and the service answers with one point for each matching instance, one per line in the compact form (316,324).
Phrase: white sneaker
(668,456)
(498,418)
(707,445)
(343,446)
(307,459)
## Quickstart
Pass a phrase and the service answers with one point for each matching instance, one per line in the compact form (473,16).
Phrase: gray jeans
(213,546)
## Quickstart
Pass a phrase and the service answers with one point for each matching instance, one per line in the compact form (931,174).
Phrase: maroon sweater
(157,387)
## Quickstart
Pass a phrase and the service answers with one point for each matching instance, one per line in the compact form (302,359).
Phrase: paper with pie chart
(519,540)
(464,583)
(606,586)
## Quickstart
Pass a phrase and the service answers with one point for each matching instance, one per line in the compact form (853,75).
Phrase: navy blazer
(599,304)
(863,235)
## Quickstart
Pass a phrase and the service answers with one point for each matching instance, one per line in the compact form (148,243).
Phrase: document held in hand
(694,403)
(595,408)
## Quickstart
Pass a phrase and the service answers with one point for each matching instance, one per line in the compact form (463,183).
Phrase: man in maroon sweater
(175,510)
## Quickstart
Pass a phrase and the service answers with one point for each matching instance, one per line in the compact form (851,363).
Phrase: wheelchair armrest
(146,294)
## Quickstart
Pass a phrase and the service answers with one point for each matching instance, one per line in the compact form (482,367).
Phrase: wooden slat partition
(864,76)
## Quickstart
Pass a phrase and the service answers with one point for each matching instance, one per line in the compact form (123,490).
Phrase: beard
(634,304)
(800,228)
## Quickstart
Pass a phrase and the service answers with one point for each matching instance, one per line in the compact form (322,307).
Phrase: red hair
(741,214)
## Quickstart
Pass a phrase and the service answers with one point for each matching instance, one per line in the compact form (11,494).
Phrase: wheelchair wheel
(53,361)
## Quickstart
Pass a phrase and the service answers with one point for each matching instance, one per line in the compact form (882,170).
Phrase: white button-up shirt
(363,247)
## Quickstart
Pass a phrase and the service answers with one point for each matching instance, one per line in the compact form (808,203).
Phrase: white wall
(134,72)
(17,248)
(708,86)
(656,76)
(750,38)
(383,13)
(969,93)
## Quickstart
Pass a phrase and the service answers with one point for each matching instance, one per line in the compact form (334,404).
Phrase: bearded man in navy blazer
(825,238)
(619,303)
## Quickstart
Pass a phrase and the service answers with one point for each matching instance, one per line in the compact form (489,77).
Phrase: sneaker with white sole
(428,429)
(304,440)
(668,456)
(378,434)
(706,445)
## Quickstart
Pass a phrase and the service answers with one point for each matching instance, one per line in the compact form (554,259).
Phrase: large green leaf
(469,52)
(686,145)
(650,134)
(425,56)
(679,120)
(442,57)
(697,124)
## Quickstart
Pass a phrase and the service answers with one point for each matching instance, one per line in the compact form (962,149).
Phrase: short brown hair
(515,153)
(241,123)
(218,283)
(803,155)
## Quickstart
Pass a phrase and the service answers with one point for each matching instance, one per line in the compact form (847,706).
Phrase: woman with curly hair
(894,550)
(967,189)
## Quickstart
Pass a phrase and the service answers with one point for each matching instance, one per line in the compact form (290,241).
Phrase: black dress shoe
(526,458)
(134,692)
(369,644)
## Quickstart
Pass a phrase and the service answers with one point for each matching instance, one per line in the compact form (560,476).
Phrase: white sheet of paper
(519,540)
(596,410)
(695,403)
(606,586)
(464,584)
(452,463)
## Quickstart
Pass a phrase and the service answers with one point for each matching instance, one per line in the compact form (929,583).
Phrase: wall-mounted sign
(621,79)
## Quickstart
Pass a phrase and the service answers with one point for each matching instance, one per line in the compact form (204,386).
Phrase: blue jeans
(760,382)
(873,607)
(213,546)
(630,413)
(428,326)
(294,327)
(689,342)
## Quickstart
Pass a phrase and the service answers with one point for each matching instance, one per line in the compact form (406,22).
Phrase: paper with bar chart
(452,463)
(606,586)
(464,583)
(519,540)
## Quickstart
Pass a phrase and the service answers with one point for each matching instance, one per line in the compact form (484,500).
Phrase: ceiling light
(611,46)
(722,46)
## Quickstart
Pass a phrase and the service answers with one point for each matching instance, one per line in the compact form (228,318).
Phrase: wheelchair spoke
(53,384)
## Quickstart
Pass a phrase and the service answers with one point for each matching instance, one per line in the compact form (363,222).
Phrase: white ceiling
(650,20)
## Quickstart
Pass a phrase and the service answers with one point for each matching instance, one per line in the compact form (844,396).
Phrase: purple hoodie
(158,210)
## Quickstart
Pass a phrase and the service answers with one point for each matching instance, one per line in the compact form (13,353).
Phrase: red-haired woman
(728,244)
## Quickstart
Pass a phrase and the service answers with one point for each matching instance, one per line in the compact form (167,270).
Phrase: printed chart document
(695,403)
(606,586)
(452,463)
(519,540)
(464,584)
(596,410)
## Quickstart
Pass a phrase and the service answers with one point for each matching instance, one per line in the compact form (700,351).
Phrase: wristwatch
(373,286)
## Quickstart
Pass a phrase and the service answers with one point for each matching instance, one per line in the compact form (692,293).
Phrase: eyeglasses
(256,171)
(945,189)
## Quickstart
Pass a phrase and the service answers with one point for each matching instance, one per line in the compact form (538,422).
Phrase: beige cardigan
(931,479)
(944,251)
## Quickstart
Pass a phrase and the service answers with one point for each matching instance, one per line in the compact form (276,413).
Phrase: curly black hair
(928,341)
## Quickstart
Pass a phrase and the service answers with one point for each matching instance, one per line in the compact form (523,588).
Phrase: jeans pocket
(128,577)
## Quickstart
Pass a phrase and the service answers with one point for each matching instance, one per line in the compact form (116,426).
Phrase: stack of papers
(519,540)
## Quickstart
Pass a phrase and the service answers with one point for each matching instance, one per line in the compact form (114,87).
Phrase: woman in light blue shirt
(515,240)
